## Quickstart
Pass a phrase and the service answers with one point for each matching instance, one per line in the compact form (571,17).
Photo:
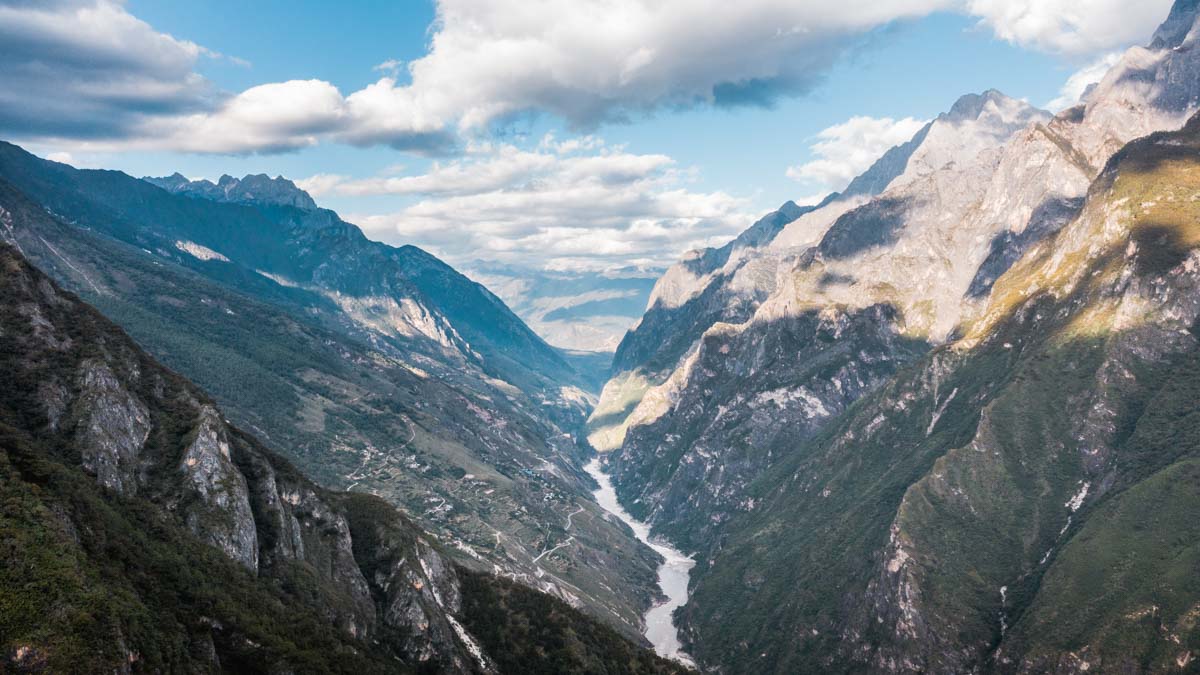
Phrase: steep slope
(917,182)
(790,483)
(1018,500)
(489,468)
(884,280)
(144,533)
(403,291)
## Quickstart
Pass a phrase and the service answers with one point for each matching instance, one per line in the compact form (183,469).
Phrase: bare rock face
(112,430)
(226,519)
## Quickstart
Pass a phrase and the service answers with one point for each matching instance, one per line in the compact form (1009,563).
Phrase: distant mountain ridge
(577,310)
(252,189)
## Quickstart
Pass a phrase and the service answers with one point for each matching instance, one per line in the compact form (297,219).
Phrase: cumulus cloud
(845,150)
(266,118)
(576,203)
(1072,27)
(1077,84)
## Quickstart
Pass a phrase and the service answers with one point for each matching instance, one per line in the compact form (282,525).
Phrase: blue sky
(663,165)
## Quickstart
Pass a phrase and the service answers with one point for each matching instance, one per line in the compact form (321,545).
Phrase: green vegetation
(92,580)
(426,428)
(528,632)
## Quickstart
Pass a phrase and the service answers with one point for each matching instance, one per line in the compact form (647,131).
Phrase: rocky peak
(251,189)
(972,106)
(1174,31)
(975,123)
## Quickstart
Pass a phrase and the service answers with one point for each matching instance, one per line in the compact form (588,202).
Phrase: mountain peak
(251,189)
(973,106)
(790,209)
(1174,31)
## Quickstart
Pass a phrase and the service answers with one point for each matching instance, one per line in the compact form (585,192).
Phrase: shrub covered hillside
(141,532)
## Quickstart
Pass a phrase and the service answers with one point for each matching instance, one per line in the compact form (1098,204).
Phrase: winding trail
(673,573)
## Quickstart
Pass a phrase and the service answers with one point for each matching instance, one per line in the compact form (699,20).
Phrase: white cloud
(88,69)
(266,118)
(559,204)
(1072,27)
(489,168)
(845,150)
(1077,84)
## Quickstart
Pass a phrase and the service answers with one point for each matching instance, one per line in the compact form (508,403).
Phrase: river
(672,574)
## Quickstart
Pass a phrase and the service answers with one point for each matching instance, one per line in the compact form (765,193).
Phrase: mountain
(924,430)
(730,285)
(145,533)
(1015,501)
(373,368)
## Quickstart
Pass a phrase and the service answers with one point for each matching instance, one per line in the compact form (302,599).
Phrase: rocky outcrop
(113,428)
(224,518)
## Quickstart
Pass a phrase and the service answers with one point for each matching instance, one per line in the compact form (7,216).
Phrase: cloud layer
(1077,84)
(1071,27)
(91,70)
(575,204)
(88,69)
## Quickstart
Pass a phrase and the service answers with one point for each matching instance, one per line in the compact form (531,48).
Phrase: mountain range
(943,421)
(145,533)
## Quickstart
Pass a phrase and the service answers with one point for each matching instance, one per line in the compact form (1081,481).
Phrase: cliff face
(145,533)
(831,307)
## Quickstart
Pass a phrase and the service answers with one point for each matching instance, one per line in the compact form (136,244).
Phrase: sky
(580,134)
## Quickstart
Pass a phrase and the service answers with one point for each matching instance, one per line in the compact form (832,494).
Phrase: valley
(559,405)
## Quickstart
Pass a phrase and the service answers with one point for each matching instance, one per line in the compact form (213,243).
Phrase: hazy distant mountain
(582,311)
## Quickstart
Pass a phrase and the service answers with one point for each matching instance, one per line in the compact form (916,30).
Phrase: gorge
(673,572)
